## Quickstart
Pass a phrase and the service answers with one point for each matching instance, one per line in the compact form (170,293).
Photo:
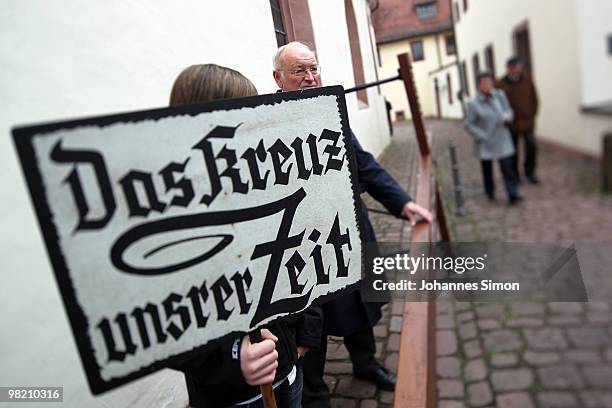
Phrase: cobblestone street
(511,354)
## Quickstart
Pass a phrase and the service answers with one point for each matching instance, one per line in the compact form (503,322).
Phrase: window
(449,88)
(464,79)
(490,60)
(416,48)
(465,5)
(279,27)
(426,11)
(476,68)
(451,48)
(522,46)
(351,25)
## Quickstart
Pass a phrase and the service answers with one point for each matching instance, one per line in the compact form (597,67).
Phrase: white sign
(169,230)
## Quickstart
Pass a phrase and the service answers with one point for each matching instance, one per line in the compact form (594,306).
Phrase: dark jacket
(523,100)
(214,378)
(349,314)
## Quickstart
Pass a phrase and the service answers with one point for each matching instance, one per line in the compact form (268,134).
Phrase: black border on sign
(23,136)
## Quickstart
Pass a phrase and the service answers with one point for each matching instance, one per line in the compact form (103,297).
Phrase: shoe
(380,376)
(533,180)
(515,200)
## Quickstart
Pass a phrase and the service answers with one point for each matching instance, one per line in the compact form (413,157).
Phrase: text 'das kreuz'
(303,158)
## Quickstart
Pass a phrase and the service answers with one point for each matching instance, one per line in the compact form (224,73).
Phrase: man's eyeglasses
(302,72)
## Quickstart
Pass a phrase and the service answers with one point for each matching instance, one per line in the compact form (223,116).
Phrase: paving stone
(338,367)
(489,324)
(512,379)
(395,324)
(450,404)
(386,397)
(393,344)
(525,322)
(599,319)
(565,321)
(355,388)
(596,399)
(379,349)
(444,307)
(480,394)
(391,362)
(527,309)
(514,400)
(397,308)
(565,308)
(599,307)
(337,352)
(504,360)
(343,403)
(331,382)
(466,316)
(582,356)
(467,331)
(462,306)
(475,370)
(472,349)
(586,337)
(598,377)
(555,399)
(380,331)
(545,339)
(448,367)
(368,404)
(494,311)
(541,359)
(450,389)
(446,342)
(502,340)
(609,355)
(445,322)
(560,377)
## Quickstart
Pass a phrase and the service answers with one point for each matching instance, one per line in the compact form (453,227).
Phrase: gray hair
(293,44)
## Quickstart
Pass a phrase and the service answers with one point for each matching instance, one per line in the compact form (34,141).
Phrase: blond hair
(208,82)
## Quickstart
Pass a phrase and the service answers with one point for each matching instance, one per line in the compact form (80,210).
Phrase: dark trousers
(507,170)
(361,347)
(529,150)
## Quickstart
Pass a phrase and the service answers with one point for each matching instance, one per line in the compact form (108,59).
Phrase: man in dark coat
(521,93)
(296,67)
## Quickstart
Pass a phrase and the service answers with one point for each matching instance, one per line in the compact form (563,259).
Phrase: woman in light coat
(488,116)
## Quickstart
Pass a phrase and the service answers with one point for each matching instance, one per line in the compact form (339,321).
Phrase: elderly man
(296,68)
(523,98)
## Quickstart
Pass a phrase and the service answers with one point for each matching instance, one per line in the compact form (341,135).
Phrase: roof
(395,20)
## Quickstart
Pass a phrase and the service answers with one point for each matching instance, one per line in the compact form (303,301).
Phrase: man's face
(297,64)
(515,70)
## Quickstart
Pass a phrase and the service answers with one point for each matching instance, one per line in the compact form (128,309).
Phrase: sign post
(173,230)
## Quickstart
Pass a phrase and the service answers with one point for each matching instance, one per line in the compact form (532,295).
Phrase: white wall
(95,58)
(434,49)
(447,110)
(334,53)
(554,34)
(594,26)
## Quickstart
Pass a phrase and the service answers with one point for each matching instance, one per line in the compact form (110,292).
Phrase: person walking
(488,114)
(523,98)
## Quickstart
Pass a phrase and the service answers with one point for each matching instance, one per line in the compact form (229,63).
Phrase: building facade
(422,28)
(94,58)
(567,47)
